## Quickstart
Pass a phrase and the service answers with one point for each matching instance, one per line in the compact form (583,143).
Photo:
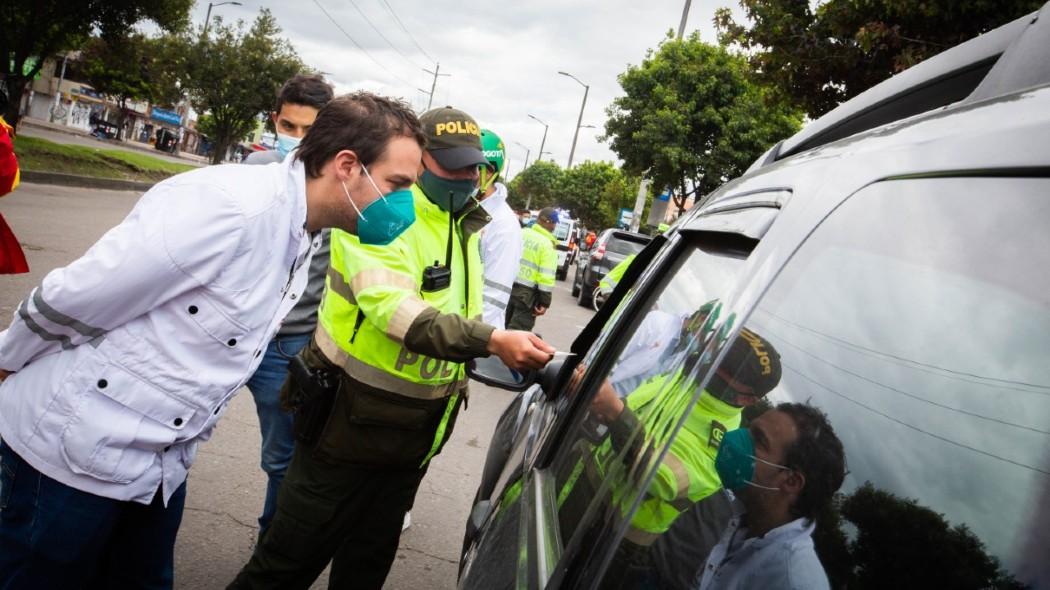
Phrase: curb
(113,184)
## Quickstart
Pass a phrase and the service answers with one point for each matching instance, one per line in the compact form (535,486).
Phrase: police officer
(686,474)
(396,325)
(531,295)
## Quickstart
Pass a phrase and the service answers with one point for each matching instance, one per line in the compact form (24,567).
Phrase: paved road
(134,147)
(226,486)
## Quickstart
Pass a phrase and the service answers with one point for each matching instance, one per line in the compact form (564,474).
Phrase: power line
(913,363)
(916,428)
(780,338)
(380,33)
(359,46)
(405,29)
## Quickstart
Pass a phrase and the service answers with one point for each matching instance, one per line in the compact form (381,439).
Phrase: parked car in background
(610,249)
(888,257)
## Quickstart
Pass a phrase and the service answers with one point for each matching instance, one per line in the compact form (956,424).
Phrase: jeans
(54,536)
(278,438)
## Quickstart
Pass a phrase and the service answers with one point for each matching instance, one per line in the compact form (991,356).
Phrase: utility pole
(685,16)
(639,204)
(579,121)
(58,91)
(433,85)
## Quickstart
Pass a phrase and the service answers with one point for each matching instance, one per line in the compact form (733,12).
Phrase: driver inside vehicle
(639,426)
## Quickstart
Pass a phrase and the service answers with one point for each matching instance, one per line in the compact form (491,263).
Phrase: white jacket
(124,360)
(501,248)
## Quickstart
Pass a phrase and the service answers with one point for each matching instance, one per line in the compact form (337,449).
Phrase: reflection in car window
(918,318)
(603,467)
(625,246)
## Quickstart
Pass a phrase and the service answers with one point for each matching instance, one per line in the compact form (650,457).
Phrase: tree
(900,543)
(691,118)
(595,191)
(232,75)
(120,67)
(33,30)
(536,186)
(819,57)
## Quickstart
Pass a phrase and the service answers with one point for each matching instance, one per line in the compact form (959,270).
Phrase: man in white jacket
(118,365)
(501,243)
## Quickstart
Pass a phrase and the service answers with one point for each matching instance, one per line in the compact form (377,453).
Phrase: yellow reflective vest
(539,259)
(687,472)
(373,294)
(612,279)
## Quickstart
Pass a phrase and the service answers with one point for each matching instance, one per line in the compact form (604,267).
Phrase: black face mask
(447,193)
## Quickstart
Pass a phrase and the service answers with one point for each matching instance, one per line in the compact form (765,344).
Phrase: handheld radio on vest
(438,276)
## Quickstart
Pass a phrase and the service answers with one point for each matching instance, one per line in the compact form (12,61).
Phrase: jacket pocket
(375,428)
(120,425)
(208,315)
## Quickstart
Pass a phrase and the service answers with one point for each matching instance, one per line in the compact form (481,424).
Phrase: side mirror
(492,371)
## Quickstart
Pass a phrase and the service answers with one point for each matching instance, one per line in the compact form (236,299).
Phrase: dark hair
(817,453)
(362,122)
(309,90)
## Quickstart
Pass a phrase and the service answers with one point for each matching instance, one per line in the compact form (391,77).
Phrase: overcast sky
(503,57)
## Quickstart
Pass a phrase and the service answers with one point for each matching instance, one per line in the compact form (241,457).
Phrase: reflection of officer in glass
(749,370)
(784,469)
(660,341)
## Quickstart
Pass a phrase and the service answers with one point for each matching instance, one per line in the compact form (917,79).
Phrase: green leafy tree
(536,186)
(33,30)
(691,117)
(232,75)
(895,542)
(120,67)
(595,191)
(820,54)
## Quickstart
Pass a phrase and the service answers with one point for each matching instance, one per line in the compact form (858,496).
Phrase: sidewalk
(64,134)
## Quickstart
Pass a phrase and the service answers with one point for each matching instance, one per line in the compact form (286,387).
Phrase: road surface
(226,486)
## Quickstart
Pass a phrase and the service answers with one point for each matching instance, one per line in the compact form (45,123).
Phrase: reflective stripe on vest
(368,341)
(380,379)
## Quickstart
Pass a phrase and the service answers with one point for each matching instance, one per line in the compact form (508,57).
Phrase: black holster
(311,395)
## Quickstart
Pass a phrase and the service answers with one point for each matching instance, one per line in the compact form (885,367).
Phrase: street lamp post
(207,17)
(576,135)
(543,142)
(527,152)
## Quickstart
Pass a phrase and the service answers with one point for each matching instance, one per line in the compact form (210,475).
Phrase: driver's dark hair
(308,90)
(818,454)
(362,122)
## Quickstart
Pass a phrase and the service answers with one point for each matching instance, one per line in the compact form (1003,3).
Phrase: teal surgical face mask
(438,190)
(735,461)
(385,218)
(286,143)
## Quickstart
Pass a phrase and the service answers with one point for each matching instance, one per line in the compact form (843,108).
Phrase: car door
(917,317)
(543,521)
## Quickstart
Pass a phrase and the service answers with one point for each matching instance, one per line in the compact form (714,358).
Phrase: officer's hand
(520,350)
(606,405)
(539,310)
